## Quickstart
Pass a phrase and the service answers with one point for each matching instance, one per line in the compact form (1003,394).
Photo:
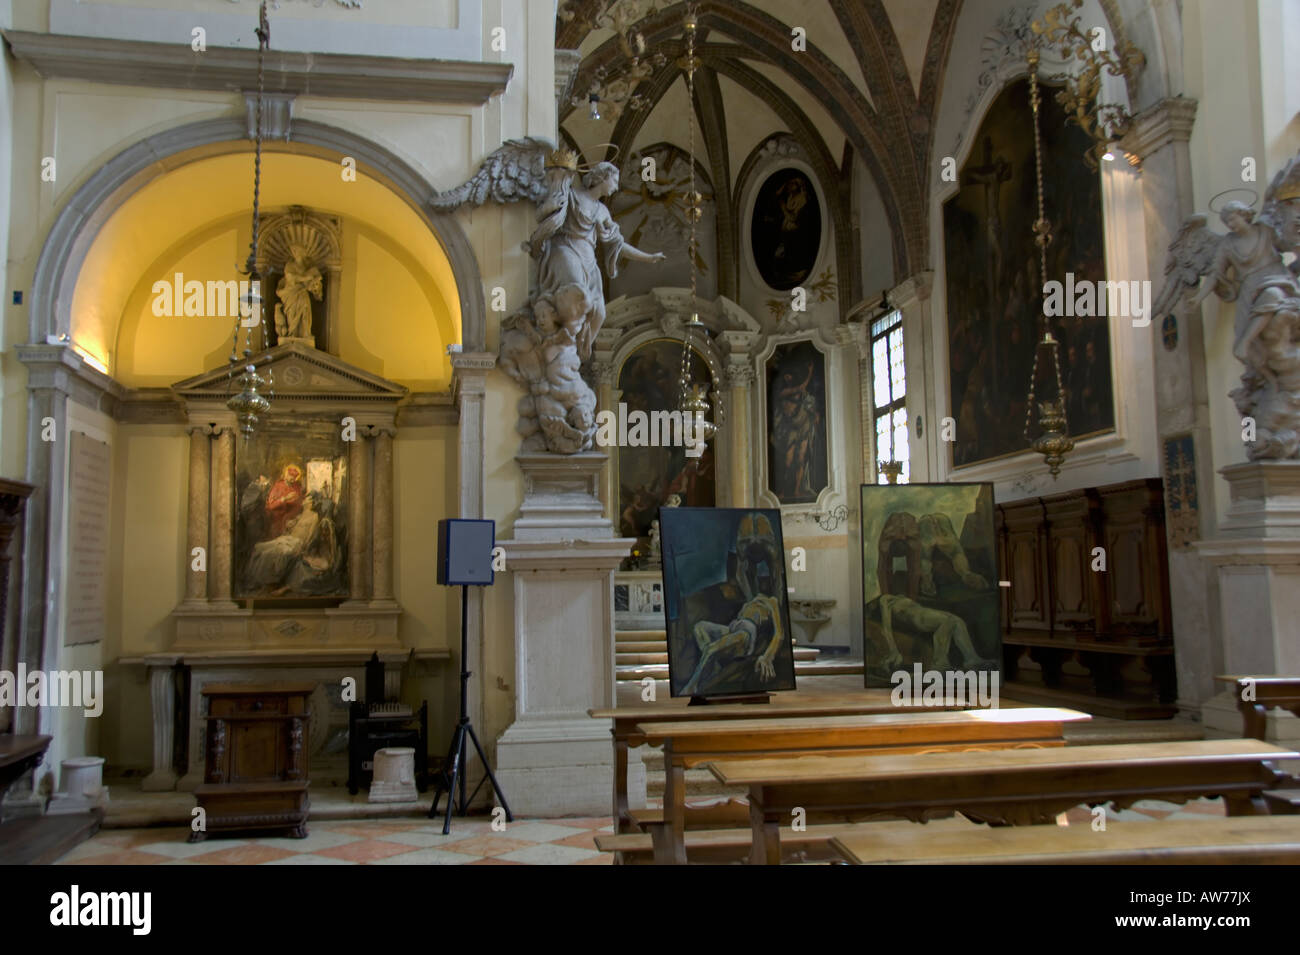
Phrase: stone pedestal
(554,760)
(394,775)
(1257,556)
(83,786)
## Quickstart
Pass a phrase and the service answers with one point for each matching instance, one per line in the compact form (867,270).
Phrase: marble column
(358,517)
(1159,138)
(382,524)
(221,557)
(470,371)
(162,694)
(196,581)
(740,382)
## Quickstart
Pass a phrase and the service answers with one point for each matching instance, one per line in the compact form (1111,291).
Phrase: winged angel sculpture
(544,343)
(1246,266)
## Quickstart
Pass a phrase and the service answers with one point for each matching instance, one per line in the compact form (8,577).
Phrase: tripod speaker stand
(464,558)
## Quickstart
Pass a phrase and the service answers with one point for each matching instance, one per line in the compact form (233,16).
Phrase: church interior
(460,432)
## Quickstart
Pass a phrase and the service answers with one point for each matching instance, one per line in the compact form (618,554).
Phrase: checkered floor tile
(360,842)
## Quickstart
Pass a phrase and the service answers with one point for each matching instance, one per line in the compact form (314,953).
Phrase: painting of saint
(786,229)
(995,302)
(291,523)
(796,423)
(648,475)
(929,579)
(725,601)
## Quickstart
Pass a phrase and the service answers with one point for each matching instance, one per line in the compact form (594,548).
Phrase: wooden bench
(1255,695)
(722,846)
(626,719)
(688,744)
(1251,840)
(1002,787)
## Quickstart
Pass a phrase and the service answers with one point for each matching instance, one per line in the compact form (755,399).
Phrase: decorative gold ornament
(1104,122)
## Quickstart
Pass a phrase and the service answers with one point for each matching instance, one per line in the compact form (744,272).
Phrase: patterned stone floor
(421,842)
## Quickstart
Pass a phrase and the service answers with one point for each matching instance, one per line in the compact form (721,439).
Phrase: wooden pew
(1251,840)
(1263,692)
(1255,695)
(688,744)
(1001,787)
(626,719)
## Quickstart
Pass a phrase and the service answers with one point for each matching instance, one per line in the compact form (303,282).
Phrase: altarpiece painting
(725,601)
(796,423)
(929,579)
(649,474)
(994,289)
(291,512)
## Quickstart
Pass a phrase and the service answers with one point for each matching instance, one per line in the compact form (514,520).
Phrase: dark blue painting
(725,604)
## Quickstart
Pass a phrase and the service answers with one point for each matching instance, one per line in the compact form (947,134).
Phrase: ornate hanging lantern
(250,401)
(1053,441)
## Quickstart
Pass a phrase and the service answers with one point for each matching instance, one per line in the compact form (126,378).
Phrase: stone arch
(108,188)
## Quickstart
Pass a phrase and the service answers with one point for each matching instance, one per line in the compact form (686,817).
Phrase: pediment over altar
(303,379)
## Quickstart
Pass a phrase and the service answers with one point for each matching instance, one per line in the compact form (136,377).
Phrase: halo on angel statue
(1232,194)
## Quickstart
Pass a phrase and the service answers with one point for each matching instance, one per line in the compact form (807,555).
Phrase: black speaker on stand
(464,560)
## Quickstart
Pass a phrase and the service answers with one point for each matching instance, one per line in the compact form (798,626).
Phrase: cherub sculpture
(1246,266)
(544,343)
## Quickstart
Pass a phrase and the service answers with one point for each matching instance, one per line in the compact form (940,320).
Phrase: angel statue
(544,343)
(1246,266)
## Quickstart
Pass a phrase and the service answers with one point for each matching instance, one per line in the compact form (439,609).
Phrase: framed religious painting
(994,300)
(291,513)
(929,580)
(786,228)
(725,605)
(797,459)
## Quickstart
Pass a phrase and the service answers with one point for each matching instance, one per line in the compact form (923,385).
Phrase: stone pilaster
(470,371)
(221,558)
(607,397)
(196,535)
(382,523)
(740,383)
(162,695)
(856,363)
(1159,139)
(359,518)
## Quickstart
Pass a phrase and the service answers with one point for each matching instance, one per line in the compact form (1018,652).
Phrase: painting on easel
(929,579)
(725,604)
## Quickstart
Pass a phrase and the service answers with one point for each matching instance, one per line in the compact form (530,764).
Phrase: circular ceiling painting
(786,229)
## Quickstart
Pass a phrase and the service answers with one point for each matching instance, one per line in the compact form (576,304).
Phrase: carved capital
(1165,122)
(740,373)
(604,372)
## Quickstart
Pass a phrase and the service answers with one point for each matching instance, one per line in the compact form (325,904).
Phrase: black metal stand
(453,770)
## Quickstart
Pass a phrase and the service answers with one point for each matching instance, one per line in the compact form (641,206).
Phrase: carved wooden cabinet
(255,774)
(1075,625)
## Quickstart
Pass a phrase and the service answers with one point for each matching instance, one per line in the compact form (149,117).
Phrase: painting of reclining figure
(725,603)
(929,579)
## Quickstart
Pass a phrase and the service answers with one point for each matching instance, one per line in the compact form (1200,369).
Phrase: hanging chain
(693,206)
(1042,236)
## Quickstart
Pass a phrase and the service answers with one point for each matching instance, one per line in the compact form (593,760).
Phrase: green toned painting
(929,579)
(725,603)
